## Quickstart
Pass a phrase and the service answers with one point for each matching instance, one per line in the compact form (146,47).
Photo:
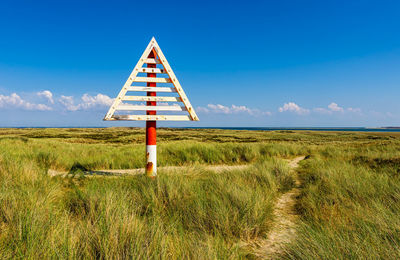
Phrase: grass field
(349,202)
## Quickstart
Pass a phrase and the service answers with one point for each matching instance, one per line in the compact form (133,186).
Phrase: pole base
(151,160)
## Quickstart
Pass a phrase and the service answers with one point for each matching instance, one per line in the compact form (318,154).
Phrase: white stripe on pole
(151,168)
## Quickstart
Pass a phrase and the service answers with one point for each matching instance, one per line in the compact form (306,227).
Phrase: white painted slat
(147,98)
(151,117)
(148,79)
(151,89)
(151,70)
(150,108)
(153,61)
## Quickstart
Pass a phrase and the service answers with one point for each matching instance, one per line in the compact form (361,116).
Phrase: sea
(345,129)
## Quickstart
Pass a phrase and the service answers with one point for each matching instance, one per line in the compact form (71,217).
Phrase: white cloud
(322,110)
(233,109)
(219,109)
(68,102)
(15,101)
(334,107)
(202,110)
(293,107)
(88,102)
(354,110)
(98,100)
(266,113)
(46,94)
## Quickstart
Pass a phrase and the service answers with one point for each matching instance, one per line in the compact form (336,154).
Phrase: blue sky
(241,63)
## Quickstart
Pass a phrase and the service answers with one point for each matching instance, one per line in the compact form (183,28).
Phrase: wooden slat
(151,70)
(153,61)
(151,89)
(146,98)
(150,117)
(156,80)
(150,108)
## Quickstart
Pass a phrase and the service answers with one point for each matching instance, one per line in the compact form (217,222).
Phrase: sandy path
(123,172)
(284,229)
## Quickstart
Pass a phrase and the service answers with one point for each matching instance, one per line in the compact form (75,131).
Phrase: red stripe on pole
(151,135)
(151,126)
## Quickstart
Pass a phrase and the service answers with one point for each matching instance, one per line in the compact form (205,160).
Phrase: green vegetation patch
(348,203)
(196,214)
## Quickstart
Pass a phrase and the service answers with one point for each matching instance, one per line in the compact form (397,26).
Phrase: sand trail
(284,228)
(126,172)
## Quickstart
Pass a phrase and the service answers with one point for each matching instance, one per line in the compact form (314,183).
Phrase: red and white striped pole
(151,136)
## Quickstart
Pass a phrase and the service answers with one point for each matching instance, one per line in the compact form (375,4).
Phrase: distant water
(346,129)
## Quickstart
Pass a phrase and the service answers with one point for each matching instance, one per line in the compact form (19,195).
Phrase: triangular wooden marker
(118,105)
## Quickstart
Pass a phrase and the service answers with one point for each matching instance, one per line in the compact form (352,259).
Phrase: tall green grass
(64,156)
(350,205)
(349,202)
(199,214)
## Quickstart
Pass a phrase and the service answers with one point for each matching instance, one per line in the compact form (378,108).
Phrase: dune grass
(350,205)
(199,214)
(349,202)
(94,149)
